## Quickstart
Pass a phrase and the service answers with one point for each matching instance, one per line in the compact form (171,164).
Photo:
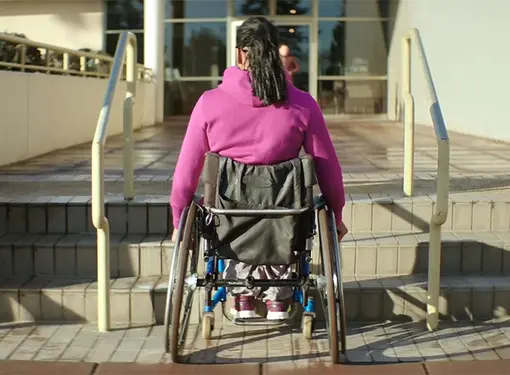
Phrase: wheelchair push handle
(263,212)
(319,202)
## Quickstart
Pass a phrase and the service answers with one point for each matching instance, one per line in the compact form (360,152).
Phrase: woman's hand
(342,231)
(174,236)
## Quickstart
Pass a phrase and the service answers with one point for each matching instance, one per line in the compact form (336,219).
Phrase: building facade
(341,45)
(349,50)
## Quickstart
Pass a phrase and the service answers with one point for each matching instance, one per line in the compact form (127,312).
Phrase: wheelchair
(258,215)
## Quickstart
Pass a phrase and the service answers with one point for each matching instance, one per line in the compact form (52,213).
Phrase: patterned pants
(240,270)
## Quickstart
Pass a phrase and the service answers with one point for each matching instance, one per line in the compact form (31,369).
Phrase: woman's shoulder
(209,96)
(300,97)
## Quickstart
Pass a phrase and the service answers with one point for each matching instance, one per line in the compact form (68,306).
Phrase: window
(358,8)
(195,58)
(353,48)
(251,7)
(196,48)
(124,14)
(181,96)
(176,9)
(294,7)
(113,38)
(352,97)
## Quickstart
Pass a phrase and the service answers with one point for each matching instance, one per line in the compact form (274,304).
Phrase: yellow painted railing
(440,211)
(60,60)
(126,51)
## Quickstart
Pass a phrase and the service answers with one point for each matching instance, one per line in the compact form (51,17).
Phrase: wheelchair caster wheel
(207,326)
(307,326)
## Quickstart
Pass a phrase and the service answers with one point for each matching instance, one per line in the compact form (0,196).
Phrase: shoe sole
(277,315)
(244,314)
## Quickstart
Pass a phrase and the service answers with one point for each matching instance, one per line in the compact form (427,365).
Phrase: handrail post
(434,276)
(408,118)
(131,68)
(47,60)
(439,217)
(83,64)
(65,62)
(23,57)
(103,236)
(97,173)
(440,213)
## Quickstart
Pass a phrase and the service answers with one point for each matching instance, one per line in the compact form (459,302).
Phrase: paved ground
(369,344)
(373,349)
(371,155)
(61,368)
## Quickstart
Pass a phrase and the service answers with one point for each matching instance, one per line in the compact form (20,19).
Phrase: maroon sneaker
(245,307)
(277,310)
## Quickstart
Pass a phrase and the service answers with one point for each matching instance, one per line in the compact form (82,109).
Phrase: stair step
(141,300)
(75,255)
(390,254)
(375,212)
(405,298)
(363,254)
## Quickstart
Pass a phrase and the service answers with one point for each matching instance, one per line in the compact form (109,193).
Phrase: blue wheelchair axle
(250,283)
(221,296)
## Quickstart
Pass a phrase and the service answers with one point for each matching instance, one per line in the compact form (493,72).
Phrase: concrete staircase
(48,258)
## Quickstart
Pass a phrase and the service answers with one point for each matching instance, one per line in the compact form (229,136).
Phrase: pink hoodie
(232,122)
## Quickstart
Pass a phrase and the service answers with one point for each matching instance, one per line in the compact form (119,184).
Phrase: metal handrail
(443,165)
(126,51)
(21,45)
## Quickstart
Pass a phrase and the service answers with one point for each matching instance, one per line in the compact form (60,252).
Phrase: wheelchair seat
(263,213)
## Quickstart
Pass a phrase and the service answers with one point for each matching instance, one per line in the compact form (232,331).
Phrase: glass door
(297,37)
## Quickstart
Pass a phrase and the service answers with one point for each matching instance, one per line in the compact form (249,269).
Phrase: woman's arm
(318,143)
(190,163)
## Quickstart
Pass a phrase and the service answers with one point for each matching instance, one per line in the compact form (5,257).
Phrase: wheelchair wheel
(185,257)
(326,247)
(339,287)
(171,279)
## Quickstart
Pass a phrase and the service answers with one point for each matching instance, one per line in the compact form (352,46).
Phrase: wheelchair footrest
(260,322)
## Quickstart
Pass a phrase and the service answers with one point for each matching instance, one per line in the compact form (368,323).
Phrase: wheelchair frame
(194,226)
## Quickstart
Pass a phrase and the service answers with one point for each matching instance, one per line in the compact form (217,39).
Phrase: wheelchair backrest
(282,195)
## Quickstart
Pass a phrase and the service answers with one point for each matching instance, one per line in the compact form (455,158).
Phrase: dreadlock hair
(259,39)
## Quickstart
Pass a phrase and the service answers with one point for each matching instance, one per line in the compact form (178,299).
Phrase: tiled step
(404,298)
(397,254)
(477,211)
(75,255)
(375,212)
(71,215)
(363,254)
(141,300)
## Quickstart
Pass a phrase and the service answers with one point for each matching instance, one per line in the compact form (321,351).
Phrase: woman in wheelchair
(257,117)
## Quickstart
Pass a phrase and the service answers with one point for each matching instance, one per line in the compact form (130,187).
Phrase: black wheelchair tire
(340,290)
(182,265)
(172,265)
(327,250)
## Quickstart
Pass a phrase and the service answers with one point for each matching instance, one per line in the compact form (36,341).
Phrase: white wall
(466,44)
(42,113)
(71,23)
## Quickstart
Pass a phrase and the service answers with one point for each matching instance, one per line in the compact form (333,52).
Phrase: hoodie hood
(237,83)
